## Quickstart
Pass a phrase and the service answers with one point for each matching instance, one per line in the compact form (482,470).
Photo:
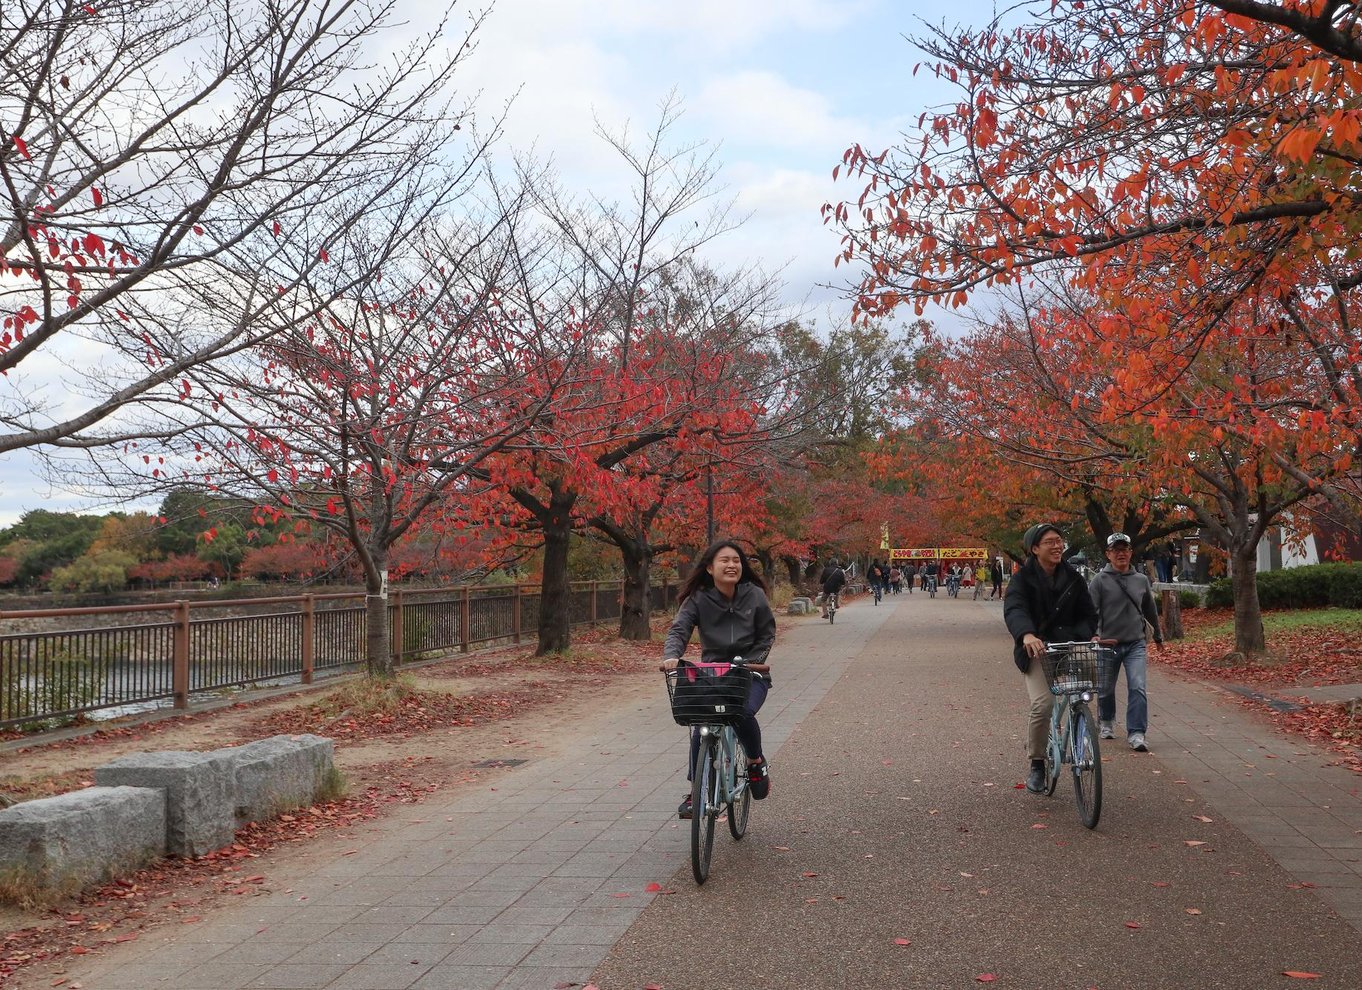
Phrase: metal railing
(178,650)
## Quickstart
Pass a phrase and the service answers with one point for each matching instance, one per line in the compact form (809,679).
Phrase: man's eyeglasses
(1050,543)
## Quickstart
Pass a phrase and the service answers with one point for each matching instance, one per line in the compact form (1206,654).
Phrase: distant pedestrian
(995,577)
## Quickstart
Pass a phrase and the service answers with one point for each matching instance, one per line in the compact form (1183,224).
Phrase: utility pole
(709,503)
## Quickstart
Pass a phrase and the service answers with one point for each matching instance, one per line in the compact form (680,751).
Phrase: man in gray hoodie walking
(1125,600)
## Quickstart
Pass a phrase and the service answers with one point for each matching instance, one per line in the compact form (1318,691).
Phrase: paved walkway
(894,816)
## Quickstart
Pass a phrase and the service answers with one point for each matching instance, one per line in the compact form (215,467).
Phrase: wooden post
(179,674)
(516,612)
(309,637)
(593,602)
(463,621)
(397,628)
(1172,615)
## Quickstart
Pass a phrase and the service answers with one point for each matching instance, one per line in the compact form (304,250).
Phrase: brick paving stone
(487,954)
(388,977)
(535,978)
(425,954)
(518,934)
(462,977)
(586,934)
(216,976)
(564,955)
(288,977)
(447,935)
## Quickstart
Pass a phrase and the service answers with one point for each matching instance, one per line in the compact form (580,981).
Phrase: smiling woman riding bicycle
(1046,601)
(726,601)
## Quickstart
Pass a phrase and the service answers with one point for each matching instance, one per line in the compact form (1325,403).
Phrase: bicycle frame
(717,787)
(1073,742)
(726,788)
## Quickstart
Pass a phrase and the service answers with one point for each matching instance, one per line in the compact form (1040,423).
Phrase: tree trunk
(378,655)
(555,619)
(1249,638)
(1172,615)
(636,607)
(793,570)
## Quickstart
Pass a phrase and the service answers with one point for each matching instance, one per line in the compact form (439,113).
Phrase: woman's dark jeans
(746,728)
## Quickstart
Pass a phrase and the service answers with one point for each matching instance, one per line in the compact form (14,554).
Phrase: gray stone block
(799,606)
(199,790)
(69,841)
(278,774)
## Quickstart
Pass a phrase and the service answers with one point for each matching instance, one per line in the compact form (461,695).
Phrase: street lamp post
(709,503)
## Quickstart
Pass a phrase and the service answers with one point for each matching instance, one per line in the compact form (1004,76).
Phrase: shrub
(1315,586)
(1190,599)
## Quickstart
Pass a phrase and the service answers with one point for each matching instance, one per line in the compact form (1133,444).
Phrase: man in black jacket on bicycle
(1046,601)
(833,580)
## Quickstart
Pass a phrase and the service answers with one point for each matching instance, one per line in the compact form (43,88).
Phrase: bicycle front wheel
(1087,766)
(738,810)
(702,810)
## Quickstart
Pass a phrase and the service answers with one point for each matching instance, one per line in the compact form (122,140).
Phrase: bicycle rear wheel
(702,809)
(738,810)
(1086,757)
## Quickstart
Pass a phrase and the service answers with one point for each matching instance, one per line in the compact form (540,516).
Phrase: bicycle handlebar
(757,668)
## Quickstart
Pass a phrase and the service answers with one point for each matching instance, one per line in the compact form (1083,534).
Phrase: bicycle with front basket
(710,698)
(1073,671)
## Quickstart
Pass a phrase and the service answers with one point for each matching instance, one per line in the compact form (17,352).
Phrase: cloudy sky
(780,87)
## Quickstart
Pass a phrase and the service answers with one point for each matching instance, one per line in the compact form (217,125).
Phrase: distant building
(1330,538)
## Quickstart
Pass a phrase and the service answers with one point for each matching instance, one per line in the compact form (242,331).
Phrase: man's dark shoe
(1035,779)
(683,809)
(759,779)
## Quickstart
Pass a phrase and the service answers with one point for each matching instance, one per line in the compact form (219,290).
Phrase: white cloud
(766,110)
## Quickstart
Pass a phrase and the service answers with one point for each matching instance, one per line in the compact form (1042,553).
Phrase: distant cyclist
(879,579)
(929,574)
(833,580)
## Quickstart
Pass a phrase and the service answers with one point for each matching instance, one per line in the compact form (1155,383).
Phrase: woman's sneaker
(759,779)
(1108,730)
(683,809)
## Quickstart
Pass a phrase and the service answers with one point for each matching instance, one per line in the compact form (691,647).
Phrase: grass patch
(1346,620)
(366,696)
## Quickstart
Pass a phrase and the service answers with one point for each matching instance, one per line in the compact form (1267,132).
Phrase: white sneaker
(1137,742)
(1108,730)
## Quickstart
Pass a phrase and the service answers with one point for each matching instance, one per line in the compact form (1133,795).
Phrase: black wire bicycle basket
(708,694)
(1074,667)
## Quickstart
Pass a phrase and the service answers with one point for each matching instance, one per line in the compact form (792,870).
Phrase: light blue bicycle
(712,704)
(1072,671)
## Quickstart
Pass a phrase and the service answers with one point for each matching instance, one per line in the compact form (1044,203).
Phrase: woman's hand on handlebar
(669,664)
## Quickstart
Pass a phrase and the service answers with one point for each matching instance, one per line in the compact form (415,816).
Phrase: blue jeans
(746,729)
(1135,659)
